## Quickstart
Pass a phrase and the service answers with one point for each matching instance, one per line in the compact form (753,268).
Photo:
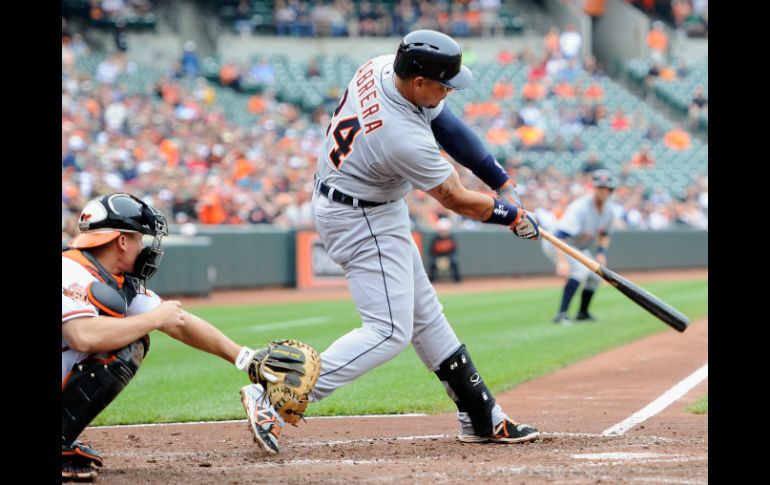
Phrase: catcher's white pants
(390,289)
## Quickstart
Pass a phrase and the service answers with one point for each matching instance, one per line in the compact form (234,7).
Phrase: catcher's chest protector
(125,285)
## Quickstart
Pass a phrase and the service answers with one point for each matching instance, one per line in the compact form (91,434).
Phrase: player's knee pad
(464,385)
(93,384)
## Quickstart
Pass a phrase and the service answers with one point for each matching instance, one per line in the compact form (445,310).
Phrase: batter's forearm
(452,195)
(200,334)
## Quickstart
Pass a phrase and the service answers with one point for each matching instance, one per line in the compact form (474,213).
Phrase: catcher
(107,315)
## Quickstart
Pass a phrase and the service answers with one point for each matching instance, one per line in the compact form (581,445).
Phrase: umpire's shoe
(78,460)
(506,431)
(264,422)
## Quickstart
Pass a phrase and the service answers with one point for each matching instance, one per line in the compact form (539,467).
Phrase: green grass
(509,335)
(701,406)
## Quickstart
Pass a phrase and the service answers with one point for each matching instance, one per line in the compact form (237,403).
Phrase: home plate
(616,456)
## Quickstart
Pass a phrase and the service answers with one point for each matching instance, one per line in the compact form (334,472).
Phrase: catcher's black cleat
(264,422)
(506,431)
(77,470)
(82,452)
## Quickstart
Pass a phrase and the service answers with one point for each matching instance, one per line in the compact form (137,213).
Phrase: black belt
(338,196)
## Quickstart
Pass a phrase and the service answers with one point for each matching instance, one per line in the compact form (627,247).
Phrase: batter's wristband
(504,214)
(601,250)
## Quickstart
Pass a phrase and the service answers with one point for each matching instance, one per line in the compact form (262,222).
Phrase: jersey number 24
(345,132)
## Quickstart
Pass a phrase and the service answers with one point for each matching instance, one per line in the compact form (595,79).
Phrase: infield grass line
(301,322)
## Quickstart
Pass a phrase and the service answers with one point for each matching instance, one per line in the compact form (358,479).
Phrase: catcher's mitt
(288,370)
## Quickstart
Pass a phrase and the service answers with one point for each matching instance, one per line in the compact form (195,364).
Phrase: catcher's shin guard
(464,385)
(93,384)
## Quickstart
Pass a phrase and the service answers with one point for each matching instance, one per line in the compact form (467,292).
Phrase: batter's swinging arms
(383,141)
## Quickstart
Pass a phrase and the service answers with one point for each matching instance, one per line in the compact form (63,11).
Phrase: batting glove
(526,226)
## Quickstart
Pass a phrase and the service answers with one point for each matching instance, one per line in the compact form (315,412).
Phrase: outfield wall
(223,257)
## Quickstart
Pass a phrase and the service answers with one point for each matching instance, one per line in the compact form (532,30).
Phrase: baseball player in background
(107,315)
(586,223)
(383,141)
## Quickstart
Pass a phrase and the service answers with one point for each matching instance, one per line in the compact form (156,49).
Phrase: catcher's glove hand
(288,370)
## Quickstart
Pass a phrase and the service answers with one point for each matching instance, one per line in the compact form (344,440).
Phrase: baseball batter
(381,143)
(586,223)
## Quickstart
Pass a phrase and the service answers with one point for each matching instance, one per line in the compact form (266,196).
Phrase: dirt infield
(572,407)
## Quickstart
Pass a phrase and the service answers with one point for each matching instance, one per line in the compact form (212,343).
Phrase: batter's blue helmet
(432,55)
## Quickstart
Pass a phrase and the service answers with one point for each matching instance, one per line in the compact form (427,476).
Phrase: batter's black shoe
(265,423)
(584,317)
(506,431)
(562,318)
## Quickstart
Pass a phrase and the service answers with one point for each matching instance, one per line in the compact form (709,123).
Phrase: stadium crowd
(174,147)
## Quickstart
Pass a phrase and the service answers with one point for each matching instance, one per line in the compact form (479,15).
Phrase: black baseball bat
(665,312)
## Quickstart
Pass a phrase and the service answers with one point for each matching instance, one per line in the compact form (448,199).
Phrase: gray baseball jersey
(378,147)
(583,222)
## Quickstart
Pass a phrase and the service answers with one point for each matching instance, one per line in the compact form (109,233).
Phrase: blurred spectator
(533,91)
(338,19)
(505,57)
(570,42)
(121,35)
(490,21)
(620,121)
(652,75)
(190,64)
(283,17)
(657,42)
(312,69)
(108,70)
(594,93)
(643,158)
(554,65)
(551,41)
(654,132)
(262,72)
(592,67)
(698,104)
(503,89)
(680,9)
(682,69)
(243,23)
(230,75)
(677,138)
(459,25)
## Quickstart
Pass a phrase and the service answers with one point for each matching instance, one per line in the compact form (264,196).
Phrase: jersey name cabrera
(379,146)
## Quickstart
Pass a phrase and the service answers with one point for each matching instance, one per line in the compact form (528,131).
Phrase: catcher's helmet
(604,178)
(432,55)
(104,218)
